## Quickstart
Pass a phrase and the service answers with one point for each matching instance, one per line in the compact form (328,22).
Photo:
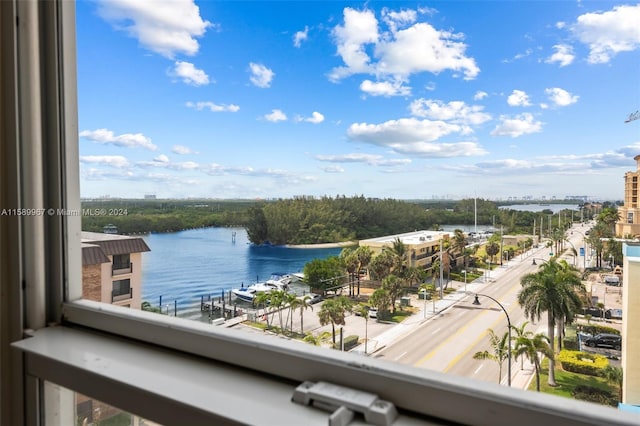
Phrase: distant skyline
(405,100)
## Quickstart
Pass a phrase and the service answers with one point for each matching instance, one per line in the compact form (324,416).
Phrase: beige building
(112,268)
(630,321)
(423,246)
(630,213)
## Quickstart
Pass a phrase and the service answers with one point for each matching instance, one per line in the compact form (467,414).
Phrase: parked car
(612,280)
(315,298)
(604,339)
(613,314)
(373,313)
(594,312)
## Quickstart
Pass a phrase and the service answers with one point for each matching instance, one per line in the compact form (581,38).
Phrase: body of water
(186,265)
(536,208)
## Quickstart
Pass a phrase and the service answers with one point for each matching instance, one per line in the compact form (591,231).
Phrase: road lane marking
(478,369)
(436,330)
(400,356)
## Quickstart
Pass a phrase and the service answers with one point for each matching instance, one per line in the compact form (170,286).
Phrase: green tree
(609,217)
(531,346)
(492,248)
(303,305)
(393,286)
(364,255)
(614,376)
(381,300)
(257,228)
(363,311)
(321,274)
(262,299)
(500,351)
(333,312)
(549,290)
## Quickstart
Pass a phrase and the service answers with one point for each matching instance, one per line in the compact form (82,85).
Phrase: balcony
(121,269)
(117,296)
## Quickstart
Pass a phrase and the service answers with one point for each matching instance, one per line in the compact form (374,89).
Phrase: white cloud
(561,97)
(300,36)
(454,111)
(182,150)
(213,107)
(333,169)
(609,33)
(161,159)
(129,140)
(189,74)
(110,160)
(370,159)
(261,76)
(395,19)
(275,116)
(430,50)
(518,98)
(414,137)
(404,130)
(164,27)
(385,88)
(519,125)
(563,55)
(480,95)
(316,118)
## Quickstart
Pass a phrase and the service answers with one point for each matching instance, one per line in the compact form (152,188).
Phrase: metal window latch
(344,402)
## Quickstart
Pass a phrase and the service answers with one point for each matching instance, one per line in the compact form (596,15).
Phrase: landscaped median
(580,378)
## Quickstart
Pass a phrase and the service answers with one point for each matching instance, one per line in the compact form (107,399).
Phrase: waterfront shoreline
(323,245)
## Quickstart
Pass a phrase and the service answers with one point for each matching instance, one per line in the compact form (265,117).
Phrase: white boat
(275,282)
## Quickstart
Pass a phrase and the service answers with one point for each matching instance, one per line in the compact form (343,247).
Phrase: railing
(118,296)
(121,269)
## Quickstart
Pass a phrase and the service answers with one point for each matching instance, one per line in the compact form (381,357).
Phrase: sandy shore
(324,245)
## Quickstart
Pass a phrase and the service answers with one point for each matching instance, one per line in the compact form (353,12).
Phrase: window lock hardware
(344,402)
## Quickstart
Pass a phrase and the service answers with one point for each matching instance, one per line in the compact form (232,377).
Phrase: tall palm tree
(262,299)
(400,256)
(393,285)
(363,311)
(500,348)
(293,302)
(549,290)
(531,346)
(364,255)
(351,263)
(303,305)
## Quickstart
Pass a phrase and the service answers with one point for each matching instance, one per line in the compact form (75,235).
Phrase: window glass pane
(82,410)
(217,140)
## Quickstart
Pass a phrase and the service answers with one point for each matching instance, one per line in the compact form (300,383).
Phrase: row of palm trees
(278,301)
(526,345)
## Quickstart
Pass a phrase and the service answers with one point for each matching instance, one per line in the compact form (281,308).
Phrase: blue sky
(399,99)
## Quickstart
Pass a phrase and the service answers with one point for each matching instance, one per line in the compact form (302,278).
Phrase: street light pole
(477,302)
(465,280)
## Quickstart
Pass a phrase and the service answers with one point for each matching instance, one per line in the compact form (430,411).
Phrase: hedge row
(594,329)
(349,342)
(581,362)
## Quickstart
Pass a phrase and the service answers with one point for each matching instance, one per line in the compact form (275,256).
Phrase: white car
(373,313)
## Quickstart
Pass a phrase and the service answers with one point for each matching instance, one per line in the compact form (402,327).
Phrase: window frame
(45,275)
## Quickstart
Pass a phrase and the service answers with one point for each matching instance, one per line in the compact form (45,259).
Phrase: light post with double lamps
(584,242)
(476,301)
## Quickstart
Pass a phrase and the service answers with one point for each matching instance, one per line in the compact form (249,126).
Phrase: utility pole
(441,267)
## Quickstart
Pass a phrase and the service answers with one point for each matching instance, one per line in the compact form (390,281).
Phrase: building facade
(112,268)
(630,321)
(629,223)
(423,246)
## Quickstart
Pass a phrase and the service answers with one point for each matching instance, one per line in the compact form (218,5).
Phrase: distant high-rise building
(629,223)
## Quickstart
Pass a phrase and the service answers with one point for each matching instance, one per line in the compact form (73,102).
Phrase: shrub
(349,342)
(570,343)
(582,363)
(592,394)
(594,329)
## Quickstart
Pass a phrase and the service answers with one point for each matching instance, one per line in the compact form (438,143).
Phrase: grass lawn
(567,382)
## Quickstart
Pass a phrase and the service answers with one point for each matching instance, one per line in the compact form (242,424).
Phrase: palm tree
(613,375)
(492,248)
(316,340)
(531,346)
(303,305)
(550,290)
(293,302)
(400,256)
(364,255)
(262,299)
(609,216)
(363,311)
(333,312)
(277,299)
(393,285)
(500,347)
(350,261)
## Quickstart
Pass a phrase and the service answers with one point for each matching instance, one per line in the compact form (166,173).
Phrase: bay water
(184,266)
